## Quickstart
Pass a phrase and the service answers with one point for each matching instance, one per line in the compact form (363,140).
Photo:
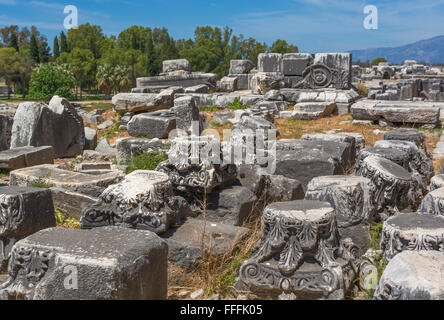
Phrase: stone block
(60,178)
(156,124)
(142,102)
(185,241)
(228,84)
(294,65)
(71,203)
(304,160)
(201,88)
(22,157)
(401,112)
(175,65)
(24,211)
(108,263)
(241,66)
(90,139)
(57,125)
(186,112)
(232,205)
(129,147)
(340,61)
(270,62)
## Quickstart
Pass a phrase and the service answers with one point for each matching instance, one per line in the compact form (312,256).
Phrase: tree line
(86,59)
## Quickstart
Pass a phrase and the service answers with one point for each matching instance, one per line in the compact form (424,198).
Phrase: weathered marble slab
(60,178)
(23,157)
(418,113)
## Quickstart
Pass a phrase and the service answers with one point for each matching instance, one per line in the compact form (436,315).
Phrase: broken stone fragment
(433,203)
(130,147)
(156,124)
(57,125)
(400,157)
(24,211)
(304,160)
(413,275)
(437,182)
(412,135)
(186,112)
(185,241)
(228,84)
(241,66)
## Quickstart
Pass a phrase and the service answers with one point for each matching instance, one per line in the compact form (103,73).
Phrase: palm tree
(104,78)
(122,79)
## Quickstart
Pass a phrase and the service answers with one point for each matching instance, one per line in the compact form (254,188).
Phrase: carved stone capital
(300,251)
(143,200)
(412,232)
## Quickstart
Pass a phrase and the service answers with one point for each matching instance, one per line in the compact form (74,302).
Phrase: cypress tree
(34,49)
(13,41)
(151,56)
(56,49)
(63,43)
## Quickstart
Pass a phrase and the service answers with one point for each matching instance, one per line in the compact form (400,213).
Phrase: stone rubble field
(353,210)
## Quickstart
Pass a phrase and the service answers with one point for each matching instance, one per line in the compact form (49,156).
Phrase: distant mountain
(430,50)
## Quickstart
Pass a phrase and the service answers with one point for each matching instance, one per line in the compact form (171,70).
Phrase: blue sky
(313,25)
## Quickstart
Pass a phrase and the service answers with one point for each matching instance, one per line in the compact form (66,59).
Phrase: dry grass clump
(295,129)
(362,90)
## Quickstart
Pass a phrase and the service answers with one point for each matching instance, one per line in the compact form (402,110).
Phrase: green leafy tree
(281,46)
(250,49)
(151,57)
(34,49)
(377,61)
(10,66)
(136,62)
(24,76)
(44,50)
(6,33)
(83,66)
(46,82)
(87,37)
